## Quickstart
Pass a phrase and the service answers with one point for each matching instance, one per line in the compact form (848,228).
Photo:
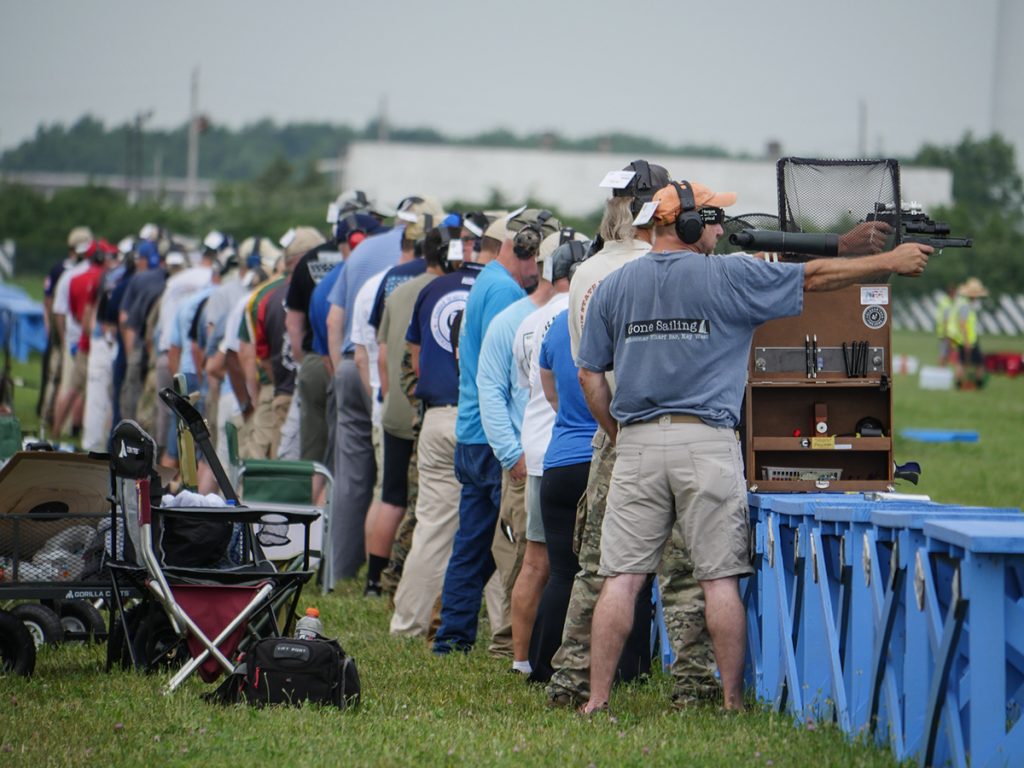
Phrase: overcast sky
(733,74)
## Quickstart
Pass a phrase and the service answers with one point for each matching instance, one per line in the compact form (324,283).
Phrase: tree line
(88,146)
(257,196)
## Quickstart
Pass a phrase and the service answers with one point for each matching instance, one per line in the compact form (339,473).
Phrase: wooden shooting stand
(805,398)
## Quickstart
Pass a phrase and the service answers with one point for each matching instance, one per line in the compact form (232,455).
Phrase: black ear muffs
(526,243)
(641,185)
(446,239)
(579,255)
(689,225)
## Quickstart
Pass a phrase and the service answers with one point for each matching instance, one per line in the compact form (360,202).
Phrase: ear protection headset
(526,244)
(478,220)
(442,252)
(577,251)
(689,225)
(356,234)
(409,201)
(252,261)
(641,186)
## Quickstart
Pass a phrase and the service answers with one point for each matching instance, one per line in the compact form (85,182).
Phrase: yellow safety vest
(942,314)
(953,332)
(972,326)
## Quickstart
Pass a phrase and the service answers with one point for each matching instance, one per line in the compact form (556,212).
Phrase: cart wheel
(82,622)
(17,648)
(156,643)
(42,622)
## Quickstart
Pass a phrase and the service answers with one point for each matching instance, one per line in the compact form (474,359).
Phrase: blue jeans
(471,563)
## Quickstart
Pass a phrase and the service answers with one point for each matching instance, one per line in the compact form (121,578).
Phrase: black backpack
(292,671)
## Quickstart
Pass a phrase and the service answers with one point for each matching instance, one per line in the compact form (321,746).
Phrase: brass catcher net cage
(837,196)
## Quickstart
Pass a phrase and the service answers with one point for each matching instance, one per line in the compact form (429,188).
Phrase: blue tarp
(940,435)
(22,318)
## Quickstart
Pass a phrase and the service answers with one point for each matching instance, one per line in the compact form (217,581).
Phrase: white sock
(522,666)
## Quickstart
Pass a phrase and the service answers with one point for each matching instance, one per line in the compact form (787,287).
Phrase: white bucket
(933,377)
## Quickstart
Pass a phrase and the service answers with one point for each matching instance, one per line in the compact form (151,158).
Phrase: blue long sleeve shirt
(502,400)
(494,290)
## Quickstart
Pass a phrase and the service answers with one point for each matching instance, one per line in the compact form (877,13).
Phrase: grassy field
(989,472)
(468,710)
(417,709)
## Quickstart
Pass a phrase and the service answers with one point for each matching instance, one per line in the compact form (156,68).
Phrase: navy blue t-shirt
(431,328)
(574,425)
(393,278)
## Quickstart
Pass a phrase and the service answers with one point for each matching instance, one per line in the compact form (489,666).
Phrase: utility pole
(862,129)
(191,185)
(133,170)
(382,119)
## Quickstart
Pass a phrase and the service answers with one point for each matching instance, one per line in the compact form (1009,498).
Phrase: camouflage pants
(391,575)
(682,600)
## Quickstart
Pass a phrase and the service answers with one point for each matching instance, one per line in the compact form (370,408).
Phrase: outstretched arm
(908,259)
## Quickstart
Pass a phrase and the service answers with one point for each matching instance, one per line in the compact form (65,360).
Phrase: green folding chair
(288,485)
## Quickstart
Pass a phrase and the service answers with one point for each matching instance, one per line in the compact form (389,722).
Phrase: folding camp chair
(204,566)
(278,484)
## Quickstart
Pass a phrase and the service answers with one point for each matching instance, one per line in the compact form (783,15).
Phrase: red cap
(314,612)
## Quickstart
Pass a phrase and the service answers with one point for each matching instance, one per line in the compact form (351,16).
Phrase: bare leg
(371,522)
(727,627)
(380,537)
(526,597)
(613,620)
(61,411)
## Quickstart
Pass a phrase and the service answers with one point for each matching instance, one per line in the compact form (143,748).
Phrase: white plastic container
(933,377)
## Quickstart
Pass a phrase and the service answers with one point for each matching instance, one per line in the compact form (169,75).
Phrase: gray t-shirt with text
(677,327)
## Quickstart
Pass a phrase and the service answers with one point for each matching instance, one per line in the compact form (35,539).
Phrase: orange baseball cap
(669,206)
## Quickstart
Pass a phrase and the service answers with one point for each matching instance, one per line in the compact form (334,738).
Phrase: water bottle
(309,627)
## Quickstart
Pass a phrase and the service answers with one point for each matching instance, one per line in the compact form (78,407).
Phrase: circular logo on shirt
(443,315)
(875,316)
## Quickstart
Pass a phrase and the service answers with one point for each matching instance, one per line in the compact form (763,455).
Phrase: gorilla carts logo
(442,316)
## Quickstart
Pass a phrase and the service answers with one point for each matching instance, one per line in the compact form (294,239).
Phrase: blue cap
(452,220)
(356,221)
(147,250)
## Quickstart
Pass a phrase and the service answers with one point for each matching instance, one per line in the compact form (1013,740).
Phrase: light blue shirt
(182,323)
(494,290)
(373,255)
(502,400)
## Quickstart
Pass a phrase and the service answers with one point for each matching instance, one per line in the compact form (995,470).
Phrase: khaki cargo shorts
(687,475)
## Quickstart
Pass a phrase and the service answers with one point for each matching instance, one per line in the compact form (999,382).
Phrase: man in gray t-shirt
(676,326)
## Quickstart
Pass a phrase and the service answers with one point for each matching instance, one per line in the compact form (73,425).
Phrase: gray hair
(617,222)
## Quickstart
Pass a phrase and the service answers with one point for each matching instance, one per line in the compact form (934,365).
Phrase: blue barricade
(794,672)
(856,623)
(976,634)
(902,662)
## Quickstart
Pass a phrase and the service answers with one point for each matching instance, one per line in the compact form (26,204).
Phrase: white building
(567,180)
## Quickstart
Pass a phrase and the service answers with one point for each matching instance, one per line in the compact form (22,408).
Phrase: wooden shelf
(780,399)
(809,486)
(842,444)
(819,382)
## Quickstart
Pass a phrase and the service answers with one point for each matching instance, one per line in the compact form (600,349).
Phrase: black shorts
(394,487)
(971,355)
